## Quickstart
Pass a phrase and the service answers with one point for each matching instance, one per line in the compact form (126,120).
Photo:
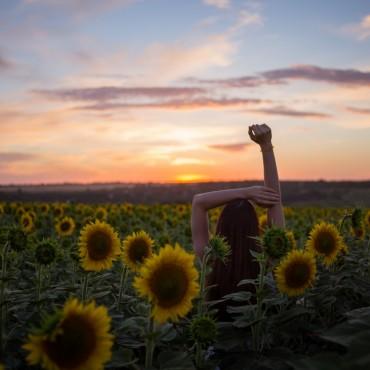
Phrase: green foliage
(326,328)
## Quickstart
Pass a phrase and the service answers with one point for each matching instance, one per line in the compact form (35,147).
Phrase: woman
(238,222)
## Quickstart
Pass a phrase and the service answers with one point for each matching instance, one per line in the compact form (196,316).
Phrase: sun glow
(190,178)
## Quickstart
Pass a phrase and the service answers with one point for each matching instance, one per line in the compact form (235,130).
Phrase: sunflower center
(65,226)
(74,345)
(169,283)
(26,222)
(297,274)
(99,245)
(138,251)
(325,243)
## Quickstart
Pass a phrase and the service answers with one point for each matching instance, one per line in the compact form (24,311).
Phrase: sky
(164,90)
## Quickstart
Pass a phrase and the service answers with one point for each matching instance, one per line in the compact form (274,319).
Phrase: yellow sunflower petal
(99,246)
(79,341)
(325,241)
(295,272)
(136,248)
(169,281)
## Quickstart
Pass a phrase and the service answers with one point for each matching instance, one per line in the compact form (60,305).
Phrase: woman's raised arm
(261,134)
(261,195)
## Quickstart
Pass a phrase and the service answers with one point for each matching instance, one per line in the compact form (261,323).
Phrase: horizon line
(171,182)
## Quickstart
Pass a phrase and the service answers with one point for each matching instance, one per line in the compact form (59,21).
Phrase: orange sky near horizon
(102,92)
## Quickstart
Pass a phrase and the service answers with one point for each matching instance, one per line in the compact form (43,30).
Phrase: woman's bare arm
(261,134)
(263,196)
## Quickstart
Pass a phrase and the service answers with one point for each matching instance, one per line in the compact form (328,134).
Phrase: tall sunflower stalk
(343,220)
(150,344)
(202,296)
(85,285)
(39,282)
(122,285)
(257,340)
(217,248)
(368,255)
(2,297)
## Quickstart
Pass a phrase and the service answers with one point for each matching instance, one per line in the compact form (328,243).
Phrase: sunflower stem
(39,281)
(257,342)
(122,285)
(149,343)
(198,356)
(202,282)
(85,287)
(342,222)
(2,298)
(368,256)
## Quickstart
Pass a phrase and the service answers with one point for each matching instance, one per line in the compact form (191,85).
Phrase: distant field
(324,193)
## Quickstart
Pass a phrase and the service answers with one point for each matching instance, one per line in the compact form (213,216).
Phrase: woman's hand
(261,134)
(262,196)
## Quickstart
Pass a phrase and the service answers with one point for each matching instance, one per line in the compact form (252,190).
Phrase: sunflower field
(117,286)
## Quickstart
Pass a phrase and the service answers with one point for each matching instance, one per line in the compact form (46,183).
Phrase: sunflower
(20,211)
(99,245)
(367,219)
(295,272)
(136,248)
(359,231)
(356,218)
(65,226)
(44,208)
(46,252)
(26,222)
(169,281)
(288,212)
(32,214)
(101,213)
(17,238)
(58,210)
(75,338)
(291,238)
(220,248)
(276,242)
(325,241)
(262,222)
(203,329)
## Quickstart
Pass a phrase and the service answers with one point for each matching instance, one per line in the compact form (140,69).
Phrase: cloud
(352,77)
(345,77)
(7,157)
(183,104)
(111,92)
(361,30)
(5,64)
(236,147)
(168,62)
(221,4)
(80,8)
(284,111)
(358,110)
(245,19)
(184,161)
(236,82)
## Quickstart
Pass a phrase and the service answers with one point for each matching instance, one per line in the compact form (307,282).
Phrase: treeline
(325,193)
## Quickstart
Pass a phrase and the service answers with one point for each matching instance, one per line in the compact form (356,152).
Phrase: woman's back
(237,223)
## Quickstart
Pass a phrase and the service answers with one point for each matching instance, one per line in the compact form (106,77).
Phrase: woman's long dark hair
(237,222)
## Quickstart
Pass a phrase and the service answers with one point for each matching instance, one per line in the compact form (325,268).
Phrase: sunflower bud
(356,218)
(219,247)
(276,242)
(17,239)
(45,252)
(203,330)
